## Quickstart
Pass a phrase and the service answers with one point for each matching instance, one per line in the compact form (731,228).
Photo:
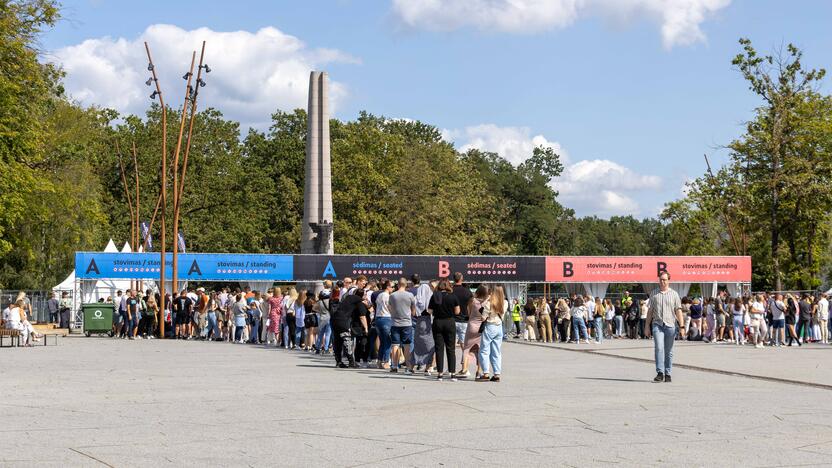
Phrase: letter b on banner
(568,269)
(661,267)
(444,269)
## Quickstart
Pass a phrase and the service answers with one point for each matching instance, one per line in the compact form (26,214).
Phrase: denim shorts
(778,323)
(401,335)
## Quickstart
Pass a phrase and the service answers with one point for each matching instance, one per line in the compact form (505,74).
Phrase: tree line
(398,187)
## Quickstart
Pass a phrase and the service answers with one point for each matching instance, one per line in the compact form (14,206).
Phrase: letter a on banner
(194,268)
(329,270)
(93,267)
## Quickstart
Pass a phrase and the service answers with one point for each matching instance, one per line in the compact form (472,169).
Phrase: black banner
(475,269)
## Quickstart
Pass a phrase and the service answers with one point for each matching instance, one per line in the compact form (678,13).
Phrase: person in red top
(275,301)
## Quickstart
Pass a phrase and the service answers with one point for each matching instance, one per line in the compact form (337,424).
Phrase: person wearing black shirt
(444,306)
(360,329)
(132,315)
(183,308)
(804,320)
(463,296)
(340,321)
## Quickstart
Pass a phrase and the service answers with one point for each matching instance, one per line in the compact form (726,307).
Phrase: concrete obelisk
(316,229)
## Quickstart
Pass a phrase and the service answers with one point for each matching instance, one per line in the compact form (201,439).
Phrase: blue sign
(191,267)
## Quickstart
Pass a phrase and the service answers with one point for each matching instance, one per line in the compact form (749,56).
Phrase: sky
(630,93)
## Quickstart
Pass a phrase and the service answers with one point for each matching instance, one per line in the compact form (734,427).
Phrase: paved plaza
(104,402)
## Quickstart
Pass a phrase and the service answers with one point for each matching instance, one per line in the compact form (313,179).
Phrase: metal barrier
(37,299)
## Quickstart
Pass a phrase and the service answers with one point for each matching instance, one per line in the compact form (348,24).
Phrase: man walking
(664,313)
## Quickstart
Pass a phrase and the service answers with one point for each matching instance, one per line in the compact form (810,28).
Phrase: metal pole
(175,247)
(163,198)
(139,283)
(190,133)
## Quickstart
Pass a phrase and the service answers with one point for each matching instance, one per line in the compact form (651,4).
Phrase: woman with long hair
(275,303)
(609,318)
(791,319)
(310,321)
(738,312)
(491,344)
(544,320)
(471,347)
(757,312)
(291,322)
(444,306)
(600,316)
(579,315)
(529,320)
(300,313)
(564,323)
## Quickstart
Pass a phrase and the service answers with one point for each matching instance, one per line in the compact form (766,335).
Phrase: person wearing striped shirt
(664,313)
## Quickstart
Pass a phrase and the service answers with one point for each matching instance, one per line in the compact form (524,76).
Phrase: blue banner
(191,267)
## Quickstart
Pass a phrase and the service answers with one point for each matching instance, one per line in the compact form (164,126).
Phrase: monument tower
(316,228)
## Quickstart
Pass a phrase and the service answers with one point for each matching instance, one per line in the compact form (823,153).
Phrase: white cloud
(252,74)
(591,187)
(603,187)
(679,20)
(515,144)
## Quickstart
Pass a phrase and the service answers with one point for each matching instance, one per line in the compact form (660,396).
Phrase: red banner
(647,269)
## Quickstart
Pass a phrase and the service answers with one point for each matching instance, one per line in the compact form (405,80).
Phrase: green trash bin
(98,318)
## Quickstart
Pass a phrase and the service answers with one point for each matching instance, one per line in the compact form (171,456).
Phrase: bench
(46,337)
(13,335)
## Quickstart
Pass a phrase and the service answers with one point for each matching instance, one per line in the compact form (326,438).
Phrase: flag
(146,236)
(181,240)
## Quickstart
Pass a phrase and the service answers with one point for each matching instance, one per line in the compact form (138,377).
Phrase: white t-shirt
(611,312)
(778,310)
(757,308)
(11,315)
(823,309)
(383,304)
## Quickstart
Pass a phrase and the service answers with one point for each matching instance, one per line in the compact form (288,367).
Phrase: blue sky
(632,92)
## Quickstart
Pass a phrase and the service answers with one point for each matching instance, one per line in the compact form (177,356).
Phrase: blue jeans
(324,339)
(739,330)
(383,325)
(599,329)
(491,352)
(663,338)
(255,331)
(212,325)
(619,325)
(579,324)
(299,334)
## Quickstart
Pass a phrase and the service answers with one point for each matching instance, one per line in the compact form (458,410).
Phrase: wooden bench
(13,335)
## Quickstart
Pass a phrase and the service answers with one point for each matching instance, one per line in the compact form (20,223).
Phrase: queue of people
(403,326)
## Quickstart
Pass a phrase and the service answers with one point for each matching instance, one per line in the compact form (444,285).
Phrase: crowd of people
(437,327)
(413,326)
(761,319)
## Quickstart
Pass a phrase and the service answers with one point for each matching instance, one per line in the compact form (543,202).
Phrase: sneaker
(483,378)
(394,370)
(408,372)
(462,375)
(659,377)
(341,365)
(131,338)
(667,379)
(496,378)
(439,378)
(453,378)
